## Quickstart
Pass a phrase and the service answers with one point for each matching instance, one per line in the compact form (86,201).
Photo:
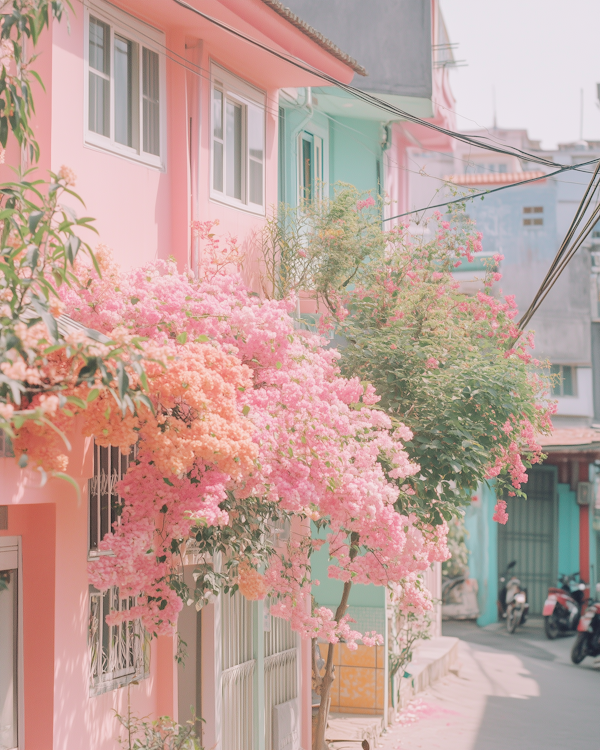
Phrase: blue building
(556,530)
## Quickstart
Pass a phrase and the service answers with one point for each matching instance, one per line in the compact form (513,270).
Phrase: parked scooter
(512,600)
(587,642)
(563,606)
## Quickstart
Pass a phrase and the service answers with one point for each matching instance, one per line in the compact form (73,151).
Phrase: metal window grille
(119,654)
(237,672)
(281,670)
(110,466)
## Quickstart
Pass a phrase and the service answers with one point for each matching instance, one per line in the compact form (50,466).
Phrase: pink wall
(143,214)
(36,525)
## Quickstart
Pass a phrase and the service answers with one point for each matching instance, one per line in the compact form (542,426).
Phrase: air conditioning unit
(584,493)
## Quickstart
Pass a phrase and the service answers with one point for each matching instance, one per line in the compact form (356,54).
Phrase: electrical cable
(566,251)
(488,192)
(368,98)
(202,73)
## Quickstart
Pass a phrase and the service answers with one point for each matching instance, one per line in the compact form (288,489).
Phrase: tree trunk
(327,680)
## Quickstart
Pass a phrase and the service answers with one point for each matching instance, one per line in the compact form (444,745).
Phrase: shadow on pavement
(563,716)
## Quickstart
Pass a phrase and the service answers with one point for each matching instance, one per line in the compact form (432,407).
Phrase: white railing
(237,673)
(281,670)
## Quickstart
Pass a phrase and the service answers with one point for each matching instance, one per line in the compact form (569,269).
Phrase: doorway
(9,642)
(529,536)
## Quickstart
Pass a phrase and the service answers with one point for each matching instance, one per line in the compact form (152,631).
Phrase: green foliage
(161,734)
(250,536)
(437,357)
(22,20)
(456,565)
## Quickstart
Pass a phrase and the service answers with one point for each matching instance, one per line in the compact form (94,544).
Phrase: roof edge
(315,36)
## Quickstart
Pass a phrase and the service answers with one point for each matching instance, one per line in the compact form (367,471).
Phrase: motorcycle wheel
(512,618)
(551,627)
(579,651)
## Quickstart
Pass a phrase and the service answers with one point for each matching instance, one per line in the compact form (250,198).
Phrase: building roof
(392,38)
(315,35)
(492,178)
(571,437)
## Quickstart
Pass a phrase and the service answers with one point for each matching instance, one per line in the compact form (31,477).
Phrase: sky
(537,55)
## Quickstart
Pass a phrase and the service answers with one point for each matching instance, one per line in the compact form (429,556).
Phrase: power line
(566,251)
(472,196)
(368,98)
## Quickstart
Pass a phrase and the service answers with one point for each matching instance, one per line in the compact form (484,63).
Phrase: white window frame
(236,90)
(142,35)
(11,559)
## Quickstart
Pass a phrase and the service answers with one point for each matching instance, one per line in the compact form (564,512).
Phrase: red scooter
(562,608)
(587,642)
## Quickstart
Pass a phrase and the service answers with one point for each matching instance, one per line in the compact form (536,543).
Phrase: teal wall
(483,552)
(352,149)
(568,531)
(329,592)
(354,153)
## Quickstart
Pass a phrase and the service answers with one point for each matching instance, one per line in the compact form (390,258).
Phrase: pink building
(165,116)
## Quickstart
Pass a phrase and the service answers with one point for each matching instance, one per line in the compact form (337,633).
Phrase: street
(519,691)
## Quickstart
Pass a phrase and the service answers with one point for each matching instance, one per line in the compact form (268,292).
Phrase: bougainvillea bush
(300,443)
(449,363)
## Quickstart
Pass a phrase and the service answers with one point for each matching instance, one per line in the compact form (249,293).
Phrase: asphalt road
(517,691)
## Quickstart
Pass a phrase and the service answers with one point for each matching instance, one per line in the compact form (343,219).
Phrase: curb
(433,660)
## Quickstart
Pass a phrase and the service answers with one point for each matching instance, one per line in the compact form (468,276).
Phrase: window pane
(151,96)
(218,166)
(8,658)
(307,169)
(256,182)
(217,144)
(99,85)
(256,132)
(256,145)
(99,108)
(99,46)
(123,91)
(233,149)
(567,373)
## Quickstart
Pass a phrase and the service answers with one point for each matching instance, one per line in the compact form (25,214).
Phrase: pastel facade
(165,117)
(328,136)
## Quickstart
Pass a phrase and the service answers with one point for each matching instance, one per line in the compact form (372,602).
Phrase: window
(9,642)
(238,142)
(310,167)
(119,654)
(535,220)
(110,466)
(563,380)
(124,83)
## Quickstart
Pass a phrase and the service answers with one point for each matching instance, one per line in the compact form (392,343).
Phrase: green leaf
(168,481)
(201,339)
(122,379)
(182,338)
(92,395)
(278,365)
(246,410)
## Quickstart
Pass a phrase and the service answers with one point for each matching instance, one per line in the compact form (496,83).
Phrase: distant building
(555,531)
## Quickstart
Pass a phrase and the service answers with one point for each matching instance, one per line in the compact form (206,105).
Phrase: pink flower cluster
(246,403)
